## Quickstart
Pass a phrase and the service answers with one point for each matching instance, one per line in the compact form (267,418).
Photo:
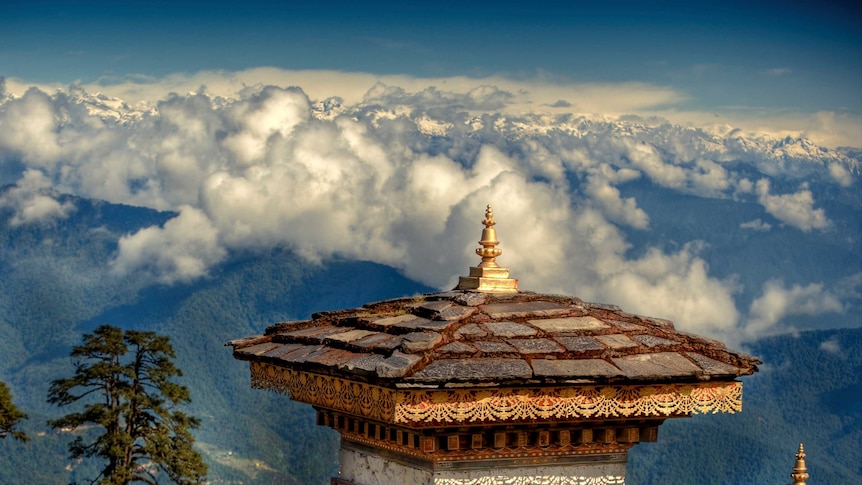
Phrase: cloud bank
(33,202)
(777,301)
(400,174)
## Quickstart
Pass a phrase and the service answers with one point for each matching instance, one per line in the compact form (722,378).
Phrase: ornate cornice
(434,407)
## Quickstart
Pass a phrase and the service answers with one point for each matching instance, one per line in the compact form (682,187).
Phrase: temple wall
(363,468)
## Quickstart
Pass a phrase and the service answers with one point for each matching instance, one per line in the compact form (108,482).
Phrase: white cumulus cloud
(756,225)
(32,200)
(795,209)
(184,249)
(777,301)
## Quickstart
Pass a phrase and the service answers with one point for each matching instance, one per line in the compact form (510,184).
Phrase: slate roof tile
(661,365)
(569,324)
(575,368)
(456,348)
(471,298)
(436,325)
(258,349)
(316,332)
(332,357)
(652,341)
(382,341)
(471,330)
(443,310)
(473,369)
(282,349)
(392,320)
(625,326)
(535,345)
(303,353)
(712,367)
(365,363)
(419,341)
(510,329)
(397,365)
(580,344)
(350,335)
(616,341)
(240,343)
(493,347)
(538,308)
(455,312)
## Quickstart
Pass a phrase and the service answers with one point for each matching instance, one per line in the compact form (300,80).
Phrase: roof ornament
(488,276)
(800,473)
(489,252)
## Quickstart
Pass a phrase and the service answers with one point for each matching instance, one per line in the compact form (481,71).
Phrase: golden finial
(488,276)
(488,252)
(800,473)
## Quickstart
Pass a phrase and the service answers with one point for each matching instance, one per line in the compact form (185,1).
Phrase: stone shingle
(332,357)
(661,365)
(652,341)
(419,341)
(258,349)
(712,367)
(616,341)
(282,349)
(625,326)
(382,341)
(570,324)
(397,364)
(575,369)
(470,298)
(510,329)
(470,330)
(350,335)
(493,347)
(540,308)
(304,354)
(535,345)
(366,363)
(431,309)
(399,320)
(456,348)
(434,325)
(299,353)
(317,332)
(443,310)
(446,370)
(580,344)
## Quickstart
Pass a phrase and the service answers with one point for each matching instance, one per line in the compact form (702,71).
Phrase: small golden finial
(800,473)
(488,276)
(488,252)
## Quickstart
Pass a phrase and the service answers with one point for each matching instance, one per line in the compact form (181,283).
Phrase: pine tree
(10,415)
(124,381)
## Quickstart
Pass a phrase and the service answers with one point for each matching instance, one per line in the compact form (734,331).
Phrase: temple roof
(486,332)
(468,338)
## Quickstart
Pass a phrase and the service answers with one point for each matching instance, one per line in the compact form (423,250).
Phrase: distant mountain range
(446,117)
(57,283)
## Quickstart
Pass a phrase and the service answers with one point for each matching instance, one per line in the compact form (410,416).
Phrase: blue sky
(743,55)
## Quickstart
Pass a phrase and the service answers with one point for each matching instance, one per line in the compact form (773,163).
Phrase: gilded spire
(488,276)
(489,252)
(800,473)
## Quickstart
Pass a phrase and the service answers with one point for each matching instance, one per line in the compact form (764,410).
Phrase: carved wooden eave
(430,408)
